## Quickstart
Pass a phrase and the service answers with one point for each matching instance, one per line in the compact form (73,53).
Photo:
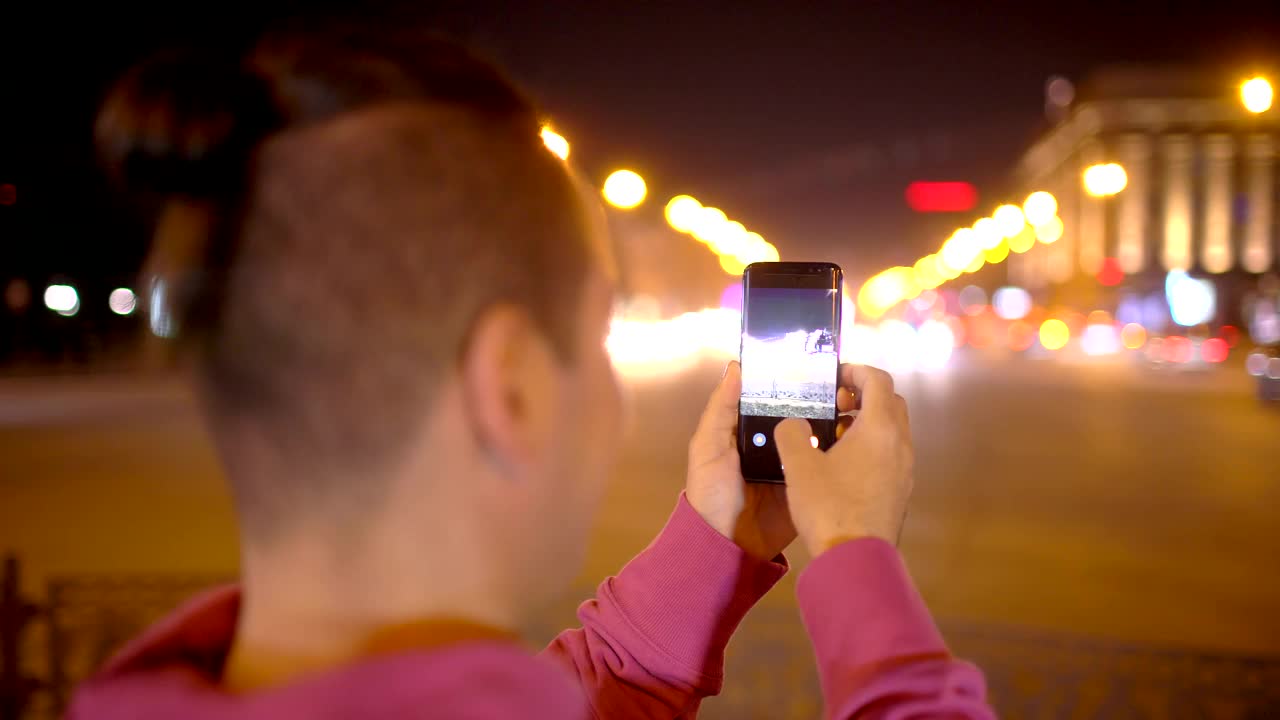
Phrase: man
(397,301)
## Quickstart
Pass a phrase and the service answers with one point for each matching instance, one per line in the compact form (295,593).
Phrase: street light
(959,251)
(62,299)
(1039,207)
(682,213)
(1049,233)
(624,189)
(1256,93)
(1009,220)
(1105,180)
(555,142)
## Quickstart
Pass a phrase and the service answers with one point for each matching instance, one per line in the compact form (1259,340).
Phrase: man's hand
(753,515)
(860,486)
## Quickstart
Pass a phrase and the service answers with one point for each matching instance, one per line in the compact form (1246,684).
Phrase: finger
(845,400)
(795,450)
(873,386)
(720,418)
(843,423)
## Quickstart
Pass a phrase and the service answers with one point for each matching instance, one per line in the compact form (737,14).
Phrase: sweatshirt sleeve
(652,641)
(879,653)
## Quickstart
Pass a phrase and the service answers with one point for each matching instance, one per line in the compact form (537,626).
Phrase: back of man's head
(333,211)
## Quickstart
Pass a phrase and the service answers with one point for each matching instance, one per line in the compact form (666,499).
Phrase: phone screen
(790,358)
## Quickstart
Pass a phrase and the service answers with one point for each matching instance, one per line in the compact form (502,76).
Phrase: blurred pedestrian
(396,300)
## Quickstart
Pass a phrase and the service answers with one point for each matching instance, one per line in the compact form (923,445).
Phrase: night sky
(776,311)
(803,120)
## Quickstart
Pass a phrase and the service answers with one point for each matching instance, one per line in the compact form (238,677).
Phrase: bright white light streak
(934,344)
(898,346)
(860,345)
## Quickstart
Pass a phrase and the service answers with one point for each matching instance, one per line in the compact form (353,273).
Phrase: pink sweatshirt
(651,646)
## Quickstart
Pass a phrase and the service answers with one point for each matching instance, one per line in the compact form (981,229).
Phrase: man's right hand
(860,486)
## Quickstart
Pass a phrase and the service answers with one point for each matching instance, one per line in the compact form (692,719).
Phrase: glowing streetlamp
(1009,220)
(1049,233)
(682,213)
(122,301)
(555,142)
(959,251)
(1039,207)
(62,299)
(624,189)
(1105,180)
(1257,94)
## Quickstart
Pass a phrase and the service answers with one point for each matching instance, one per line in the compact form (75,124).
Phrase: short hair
(366,194)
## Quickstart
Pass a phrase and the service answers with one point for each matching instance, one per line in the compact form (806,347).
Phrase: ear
(509,389)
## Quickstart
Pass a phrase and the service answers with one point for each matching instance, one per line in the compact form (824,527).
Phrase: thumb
(721,414)
(792,437)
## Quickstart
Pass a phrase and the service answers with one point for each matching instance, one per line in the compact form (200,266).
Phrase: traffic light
(8,194)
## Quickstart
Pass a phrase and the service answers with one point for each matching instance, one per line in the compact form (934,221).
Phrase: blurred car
(1264,364)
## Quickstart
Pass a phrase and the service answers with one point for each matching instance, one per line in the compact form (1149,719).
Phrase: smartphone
(790,355)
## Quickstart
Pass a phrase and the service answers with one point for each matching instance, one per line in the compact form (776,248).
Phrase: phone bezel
(818,275)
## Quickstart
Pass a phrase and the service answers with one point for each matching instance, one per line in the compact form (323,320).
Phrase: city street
(1107,503)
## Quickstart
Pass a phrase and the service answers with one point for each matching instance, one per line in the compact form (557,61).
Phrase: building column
(1131,232)
(1216,254)
(1258,251)
(1091,239)
(1176,253)
(1060,257)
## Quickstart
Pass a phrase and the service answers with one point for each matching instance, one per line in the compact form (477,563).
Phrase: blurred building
(1200,197)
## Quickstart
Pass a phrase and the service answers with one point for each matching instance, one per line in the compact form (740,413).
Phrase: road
(1105,506)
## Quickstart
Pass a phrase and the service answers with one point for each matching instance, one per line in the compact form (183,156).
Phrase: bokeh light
(1009,220)
(973,300)
(1039,207)
(987,233)
(62,299)
(1191,301)
(624,189)
(641,348)
(1024,240)
(732,265)
(998,253)
(926,270)
(1105,179)
(959,250)
(1049,232)
(555,142)
(1256,363)
(1256,94)
(1021,335)
(1214,350)
(1054,334)
(934,344)
(122,301)
(707,223)
(898,346)
(1100,339)
(682,213)
(1110,273)
(1133,336)
(1011,303)
(860,345)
